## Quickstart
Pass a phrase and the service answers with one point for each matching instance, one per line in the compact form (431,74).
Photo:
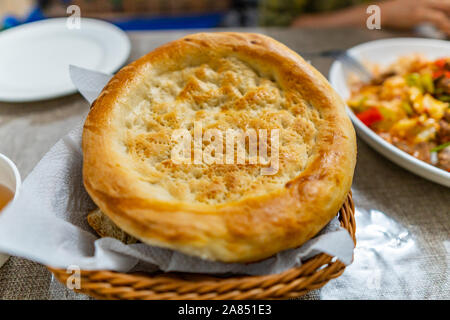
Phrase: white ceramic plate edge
(123,59)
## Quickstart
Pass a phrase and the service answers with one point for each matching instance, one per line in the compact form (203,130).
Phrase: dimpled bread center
(222,94)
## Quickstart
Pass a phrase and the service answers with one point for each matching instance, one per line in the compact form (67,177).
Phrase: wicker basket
(295,282)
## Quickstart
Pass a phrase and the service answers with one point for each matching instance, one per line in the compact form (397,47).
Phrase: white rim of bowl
(16,173)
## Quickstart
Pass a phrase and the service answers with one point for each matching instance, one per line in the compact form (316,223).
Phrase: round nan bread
(224,212)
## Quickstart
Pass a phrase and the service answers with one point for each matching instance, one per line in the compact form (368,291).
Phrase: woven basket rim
(312,274)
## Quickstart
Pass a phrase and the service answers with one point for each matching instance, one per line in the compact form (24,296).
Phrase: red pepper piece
(437,74)
(370,116)
(440,63)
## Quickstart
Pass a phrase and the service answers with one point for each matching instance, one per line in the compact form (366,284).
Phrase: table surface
(422,208)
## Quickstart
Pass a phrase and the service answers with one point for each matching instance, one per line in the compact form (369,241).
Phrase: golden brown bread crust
(247,228)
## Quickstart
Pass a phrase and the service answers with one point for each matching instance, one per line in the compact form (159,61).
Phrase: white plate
(35,57)
(385,52)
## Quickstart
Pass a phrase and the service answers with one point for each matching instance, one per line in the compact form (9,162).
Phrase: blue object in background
(9,22)
(35,15)
(191,21)
(197,21)
(12,21)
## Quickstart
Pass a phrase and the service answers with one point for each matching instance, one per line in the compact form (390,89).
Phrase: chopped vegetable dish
(408,105)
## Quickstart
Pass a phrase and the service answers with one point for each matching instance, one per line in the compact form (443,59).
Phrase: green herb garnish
(444,98)
(407,107)
(427,82)
(441,147)
(413,80)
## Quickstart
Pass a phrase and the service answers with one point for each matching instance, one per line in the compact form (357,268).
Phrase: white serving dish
(35,57)
(384,52)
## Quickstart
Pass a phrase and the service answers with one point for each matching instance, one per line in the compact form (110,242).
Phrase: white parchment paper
(48,224)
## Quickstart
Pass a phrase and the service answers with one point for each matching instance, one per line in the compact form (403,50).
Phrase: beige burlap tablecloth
(403,253)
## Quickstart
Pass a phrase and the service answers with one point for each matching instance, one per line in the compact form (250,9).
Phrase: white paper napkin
(48,224)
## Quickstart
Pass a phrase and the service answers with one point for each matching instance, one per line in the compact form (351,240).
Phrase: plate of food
(403,111)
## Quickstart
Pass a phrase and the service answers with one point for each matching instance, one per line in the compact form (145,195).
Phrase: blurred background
(424,17)
(137,14)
